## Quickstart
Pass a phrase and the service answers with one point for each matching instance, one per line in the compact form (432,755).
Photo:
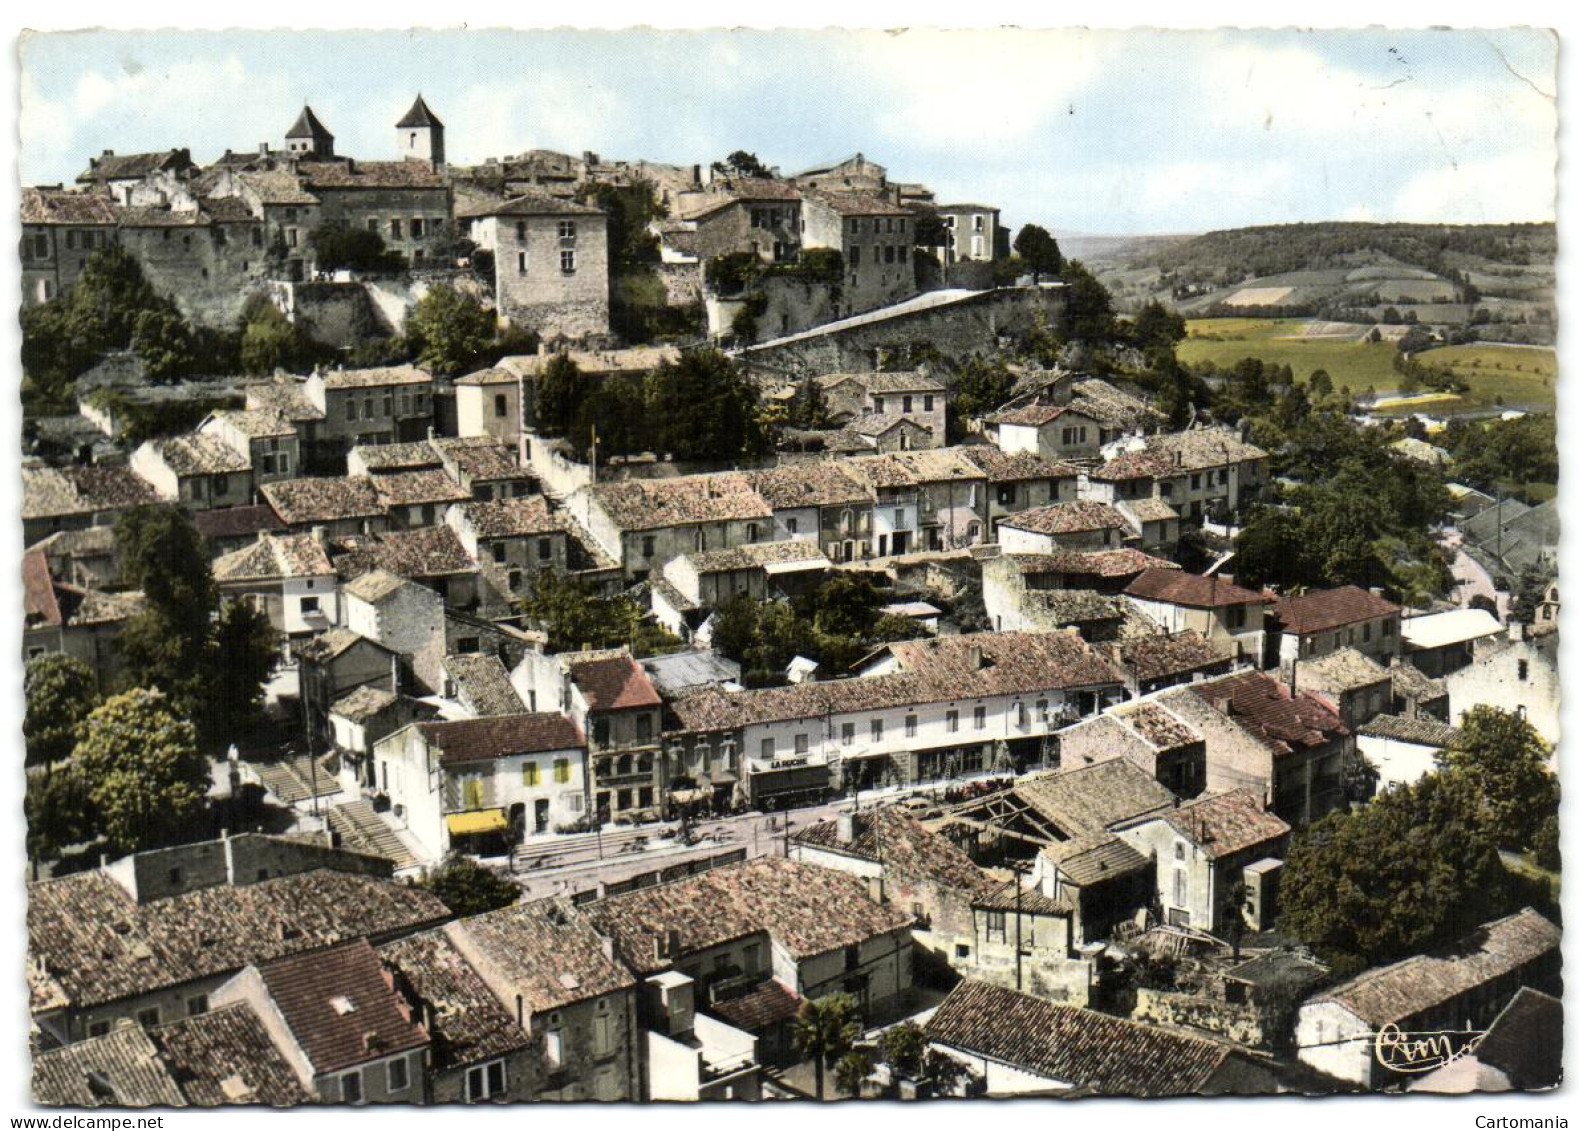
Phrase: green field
(1526,377)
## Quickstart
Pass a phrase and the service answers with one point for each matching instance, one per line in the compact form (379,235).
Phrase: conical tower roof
(419,116)
(308,125)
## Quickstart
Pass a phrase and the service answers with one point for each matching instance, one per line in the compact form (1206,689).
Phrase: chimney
(320,535)
(263,149)
(974,658)
(109,153)
(846,827)
(610,950)
(1226,578)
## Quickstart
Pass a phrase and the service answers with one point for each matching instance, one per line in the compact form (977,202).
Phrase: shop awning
(477,821)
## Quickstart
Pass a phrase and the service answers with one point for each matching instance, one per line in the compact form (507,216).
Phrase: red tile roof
(478,740)
(38,591)
(1067,518)
(341,1007)
(765,1006)
(1323,609)
(614,684)
(1175,587)
(1264,707)
(1227,823)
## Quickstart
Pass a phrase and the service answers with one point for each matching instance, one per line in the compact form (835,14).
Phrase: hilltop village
(579,629)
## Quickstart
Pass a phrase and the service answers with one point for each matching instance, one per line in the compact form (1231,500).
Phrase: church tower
(309,138)
(420,135)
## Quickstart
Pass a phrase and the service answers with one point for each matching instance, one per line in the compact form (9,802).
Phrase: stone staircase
(292,778)
(363,830)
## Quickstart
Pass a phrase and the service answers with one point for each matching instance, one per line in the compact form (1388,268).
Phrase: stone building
(874,238)
(61,230)
(974,233)
(551,264)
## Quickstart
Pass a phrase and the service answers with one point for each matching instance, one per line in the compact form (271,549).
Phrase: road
(1470,577)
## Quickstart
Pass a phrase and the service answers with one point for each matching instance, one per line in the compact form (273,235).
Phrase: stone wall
(332,314)
(208,270)
(1237,1023)
(952,331)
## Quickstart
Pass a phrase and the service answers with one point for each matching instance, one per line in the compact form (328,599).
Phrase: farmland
(1520,376)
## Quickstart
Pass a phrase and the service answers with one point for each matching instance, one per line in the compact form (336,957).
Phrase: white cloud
(543,110)
(1516,187)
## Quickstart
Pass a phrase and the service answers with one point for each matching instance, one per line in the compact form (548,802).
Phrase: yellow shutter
(561,770)
(472,793)
(531,774)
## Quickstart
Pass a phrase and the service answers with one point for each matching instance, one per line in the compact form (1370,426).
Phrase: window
(792,525)
(514,579)
(394,229)
(855,257)
(520,230)
(567,229)
(802,743)
(520,263)
(961,950)
(643,728)
(545,549)
(531,775)
(602,1035)
(350,409)
(561,771)
(600,732)
(398,1073)
(981,718)
(351,1087)
(554,1047)
(1365,632)
(648,544)
(767,748)
(98,1028)
(148,1017)
(997,925)
(1387,628)
(309,605)
(175,877)
(852,957)
(567,262)
(498,551)
(952,719)
(877,730)
(416,228)
(888,253)
(1021,716)
(910,726)
(1195,482)
(486,1081)
(1524,670)
(196,1005)
(846,734)
(1006,494)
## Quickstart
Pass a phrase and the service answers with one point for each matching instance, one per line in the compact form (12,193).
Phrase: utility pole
(1019,892)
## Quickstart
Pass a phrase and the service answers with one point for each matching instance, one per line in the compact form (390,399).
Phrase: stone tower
(309,138)
(420,135)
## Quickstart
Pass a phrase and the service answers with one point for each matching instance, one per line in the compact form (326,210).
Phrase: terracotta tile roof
(278,187)
(374,585)
(226,210)
(1404,990)
(526,204)
(1081,1048)
(1265,708)
(225,1056)
(419,115)
(1096,563)
(1421,732)
(162,216)
(470,1024)
(651,504)
(512,518)
(767,1005)
(1175,453)
(327,646)
(819,484)
(1340,671)
(323,499)
(482,740)
(632,359)
(308,125)
(481,460)
(1175,587)
(806,911)
(899,382)
(1525,1041)
(614,683)
(415,488)
(364,703)
(1147,658)
(340,1007)
(1091,798)
(491,376)
(257,423)
(1061,607)
(1067,518)
(319,176)
(1322,609)
(1149,509)
(49,492)
(756,555)
(84,607)
(274,558)
(941,669)
(1016,467)
(284,395)
(904,846)
(199,454)
(1032,415)
(41,605)
(858,204)
(913,469)
(378,377)
(1014,896)
(397,457)
(546,951)
(1227,823)
(1410,682)
(1095,857)
(120,1069)
(99,945)
(428,551)
(483,684)
(1162,729)
(133,166)
(65,206)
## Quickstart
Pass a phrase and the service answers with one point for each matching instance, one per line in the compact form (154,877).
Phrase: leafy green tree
(110,293)
(61,692)
(450,330)
(468,888)
(146,780)
(1038,250)
(166,644)
(1503,760)
(270,341)
(701,407)
(57,810)
(808,408)
(1397,877)
(851,1071)
(630,209)
(929,229)
(355,249)
(165,343)
(1155,327)
(825,1029)
(244,652)
(560,389)
(903,1048)
(1320,384)
(1529,590)
(574,617)
(741,164)
(1088,308)
(982,387)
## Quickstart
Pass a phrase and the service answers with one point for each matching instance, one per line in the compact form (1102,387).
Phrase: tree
(929,228)
(808,408)
(560,389)
(903,1048)
(1320,384)
(245,650)
(1157,328)
(467,888)
(1234,925)
(164,342)
(1503,760)
(1038,249)
(1397,877)
(57,810)
(166,644)
(451,330)
(270,341)
(851,1071)
(983,386)
(1529,590)
(61,692)
(825,1029)
(630,210)
(355,249)
(1088,308)
(145,778)
(701,407)
(575,617)
(741,164)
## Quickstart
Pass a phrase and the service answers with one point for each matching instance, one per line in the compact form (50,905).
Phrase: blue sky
(1083,131)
